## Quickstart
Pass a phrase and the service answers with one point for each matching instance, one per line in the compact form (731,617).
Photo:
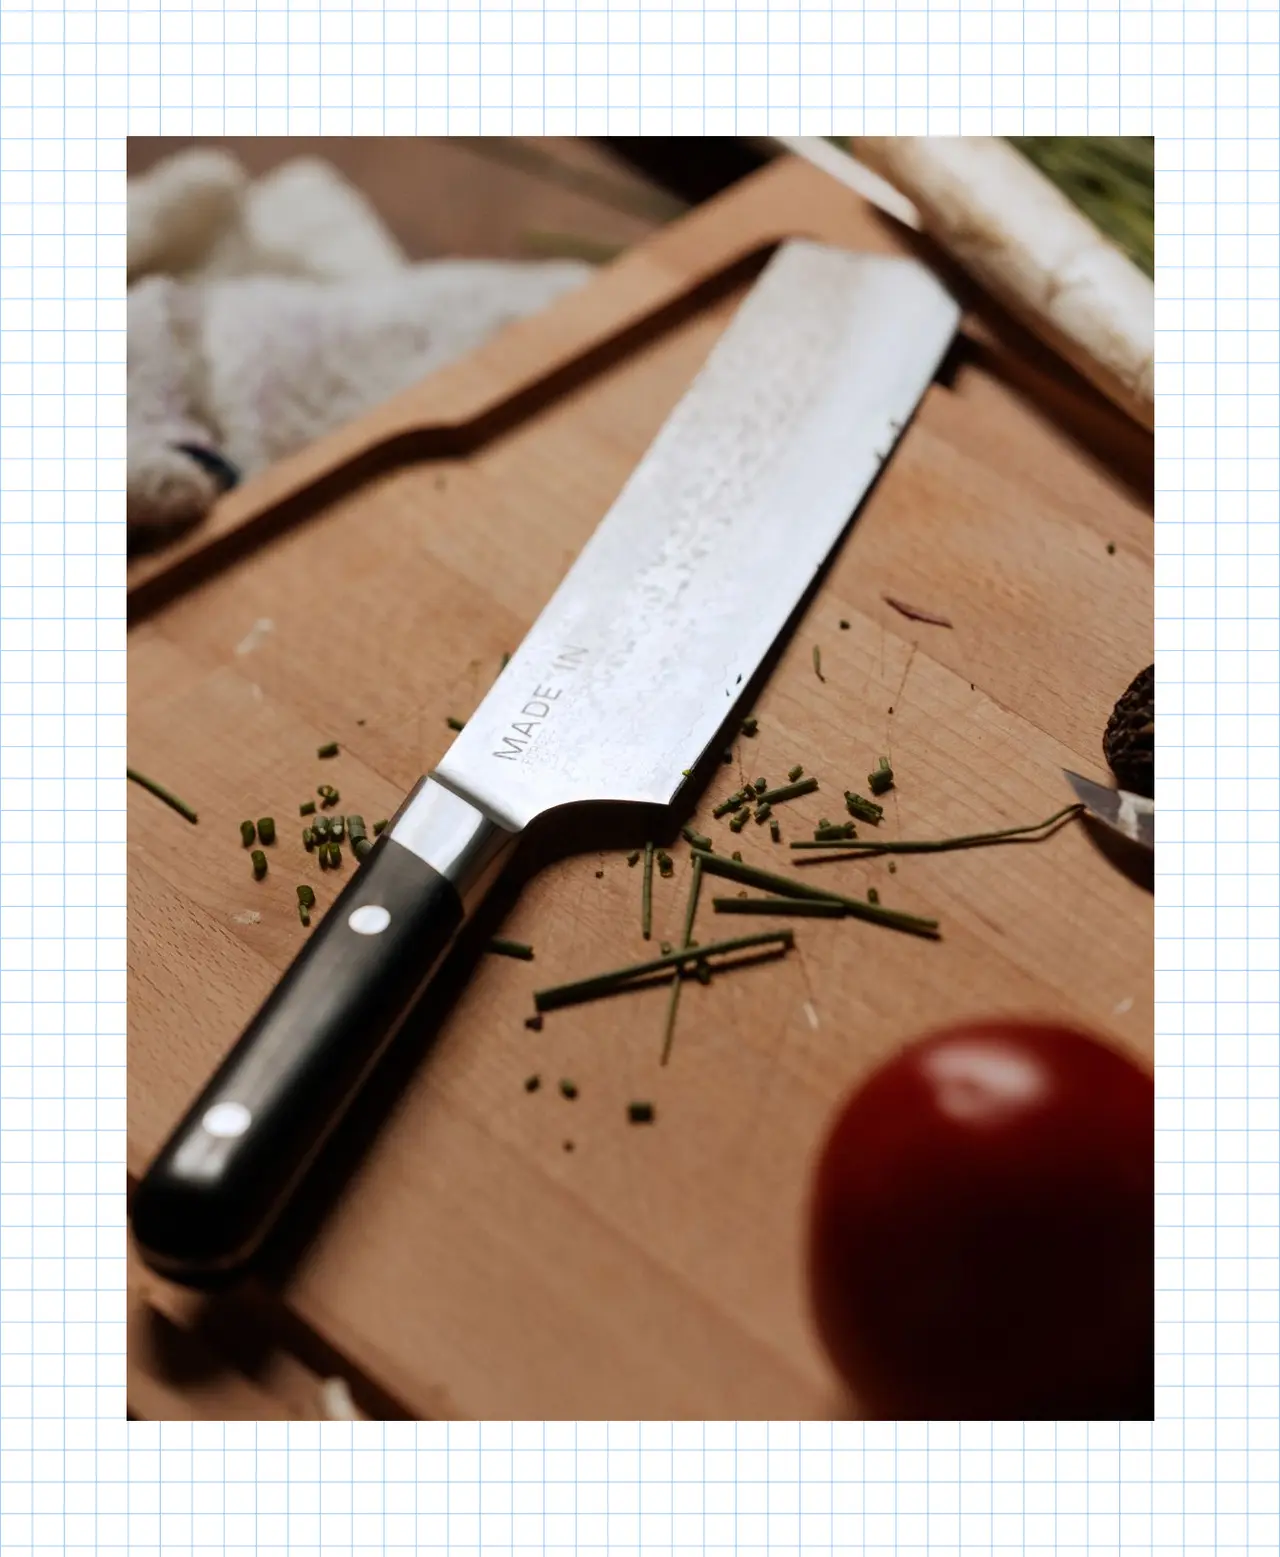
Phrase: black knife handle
(224,1176)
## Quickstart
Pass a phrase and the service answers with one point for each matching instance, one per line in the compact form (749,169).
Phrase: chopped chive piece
(1111,548)
(666,869)
(308,838)
(259,864)
(306,897)
(307,808)
(320,829)
(684,773)
(893,869)
(640,1113)
(534,1022)
(378,827)
(506,660)
(646,893)
(304,917)
(619,978)
(266,829)
(456,724)
(360,846)
(739,821)
(567,1089)
(328,795)
(752,876)
(664,947)
(736,855)
(686,939)
(882,778)
(759,787)
(633,856)
(702,971)
(246,833)
(355,827)
(865,810)
(511,949)
(763,813)
(844,626)
(872,895)
(805,907)
(823,822)
(329,750)
(775,797)
(696,839)
(568,1146)
(532,1083)
(599,874)
(835,832)
(795,773)
(750,726)
(730,803)
(874,846)
(337,828)
(817,663)
(335,857)
(775,832)
(161,793)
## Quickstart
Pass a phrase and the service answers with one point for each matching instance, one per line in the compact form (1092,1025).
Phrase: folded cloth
(263,314)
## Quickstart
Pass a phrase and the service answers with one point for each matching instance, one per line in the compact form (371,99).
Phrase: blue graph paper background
(74,81)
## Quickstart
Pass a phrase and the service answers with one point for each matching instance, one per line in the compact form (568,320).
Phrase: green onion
(882,778)
(619,978)
(266,829)
(456,724)
(874,846)
(752,876)
(307,808)
(806,907)
(259,864)
(817,663)
(646,894)
(795,773)
(511,949)
(640,1113)
(330,750)
(246,833)
(161,793)
(789,791)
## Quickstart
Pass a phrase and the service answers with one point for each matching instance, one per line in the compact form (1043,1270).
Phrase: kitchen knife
(629,674)
(1132,816)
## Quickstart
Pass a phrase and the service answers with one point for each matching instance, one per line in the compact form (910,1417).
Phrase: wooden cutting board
(459,1259)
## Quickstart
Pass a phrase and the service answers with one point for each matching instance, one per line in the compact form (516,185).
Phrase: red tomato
(982,1241)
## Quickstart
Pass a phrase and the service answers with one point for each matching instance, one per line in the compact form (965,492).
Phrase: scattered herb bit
(702,972)
(246,833)
(307,808)
(599,874)
(308,838)
(646,894)
(320,829)
(914,613)
(684,773)
(259,864)
(640,1113)
(620,978)
(506,660)
(306,897)
(823,822)
(844,626)
(567,1089)
(355,827)
(330,750)
(532,1083)
(833,833)
(378,827)
(664,947)
(817,663)
(534,1022)
(775,832)
(511,949)
(568,1146)
(690,911)
(696,839)
(893,869)
(726,756)
(737,855)
(456,724)
(795,773)
(304,917)
(882,779)
(775,797)
(739,821)
(874,846)
(633,856)
(161,793)
(752,876)
(322,855)
(872,895)
(730,804)
(266,829)
(666,867)
(865,810)
(760,785)
(335,857)
(360,847)
(1111,548)
(763,813)
(328,795)
(750,726)
(806,907)
(360,721)
(338,828)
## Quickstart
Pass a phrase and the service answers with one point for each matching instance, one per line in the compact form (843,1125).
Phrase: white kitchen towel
(263,313)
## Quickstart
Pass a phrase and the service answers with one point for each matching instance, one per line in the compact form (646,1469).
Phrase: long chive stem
(874,846)
(788,792)
(806,907)
(161,793)
(691,909)
(858,908)
(646,894)
(605,983)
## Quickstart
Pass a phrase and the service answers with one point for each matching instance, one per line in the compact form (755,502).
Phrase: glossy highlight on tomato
(982,1240)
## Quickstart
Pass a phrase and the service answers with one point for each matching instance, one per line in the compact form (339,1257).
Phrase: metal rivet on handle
(371,919)
(227,1119)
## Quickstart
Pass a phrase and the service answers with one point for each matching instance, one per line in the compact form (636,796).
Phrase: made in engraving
(538,708)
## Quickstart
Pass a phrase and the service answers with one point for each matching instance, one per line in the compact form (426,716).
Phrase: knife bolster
(455,837)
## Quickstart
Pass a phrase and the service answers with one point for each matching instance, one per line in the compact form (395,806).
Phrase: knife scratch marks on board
(811,1014)
(256,634)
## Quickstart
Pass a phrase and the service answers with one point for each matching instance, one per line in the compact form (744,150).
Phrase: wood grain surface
(450,1249)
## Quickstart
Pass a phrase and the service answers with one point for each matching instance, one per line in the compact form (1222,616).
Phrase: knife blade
(625,679)
(1132,816)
